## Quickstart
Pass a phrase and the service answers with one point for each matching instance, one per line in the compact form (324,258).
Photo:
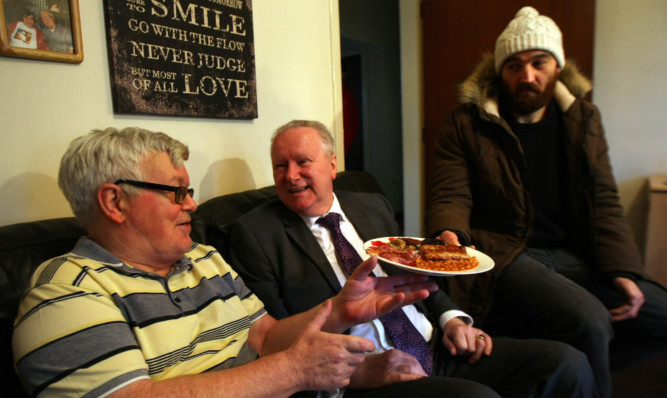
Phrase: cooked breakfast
(431,254)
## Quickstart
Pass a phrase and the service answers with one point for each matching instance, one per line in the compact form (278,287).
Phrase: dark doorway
(370,46)
(352,113)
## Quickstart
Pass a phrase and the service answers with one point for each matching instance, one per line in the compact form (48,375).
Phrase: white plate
(485,262)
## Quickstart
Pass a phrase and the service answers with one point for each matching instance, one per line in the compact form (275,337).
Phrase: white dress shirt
(373,330)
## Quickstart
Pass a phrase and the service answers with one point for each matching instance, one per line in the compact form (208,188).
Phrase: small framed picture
(48,30)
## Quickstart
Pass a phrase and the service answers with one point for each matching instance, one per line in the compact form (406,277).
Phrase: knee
(462,388)
(592,323)
(431,387)
(597,325)
(570,370)
(562,354)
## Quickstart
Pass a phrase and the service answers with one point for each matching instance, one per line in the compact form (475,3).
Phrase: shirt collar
(88,248)
(335,208)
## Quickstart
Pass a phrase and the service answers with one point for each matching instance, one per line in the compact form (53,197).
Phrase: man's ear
(334,166)
(112,202)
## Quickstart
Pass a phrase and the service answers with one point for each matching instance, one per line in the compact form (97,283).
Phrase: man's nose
(189,203)
(292,173)
(527,74)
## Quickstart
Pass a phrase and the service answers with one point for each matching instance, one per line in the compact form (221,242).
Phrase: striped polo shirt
(90,324)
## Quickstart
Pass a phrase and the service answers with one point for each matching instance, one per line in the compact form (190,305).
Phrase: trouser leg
(435,387)
(526,368)
(553,307)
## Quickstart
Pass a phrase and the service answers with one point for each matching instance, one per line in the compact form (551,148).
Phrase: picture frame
(61,39)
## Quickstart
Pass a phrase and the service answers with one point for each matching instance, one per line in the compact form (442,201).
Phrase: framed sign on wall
(182,57)
(48,30)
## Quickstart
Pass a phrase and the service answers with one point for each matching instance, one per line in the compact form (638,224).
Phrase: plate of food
(428,256)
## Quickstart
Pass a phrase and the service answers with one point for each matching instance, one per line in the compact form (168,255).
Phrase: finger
(401,377)
(471,343)
(419,284)
(355,359)
(620,310)
(618,318)
(461,343)
(355,344)
(620,313)
(407,279)
(414,297)
(479,346)
(392,303)
(400,299)
(489,345)
(477,354)
(412,285)
(412,294)
(449,345)
(624,312)
(364,269)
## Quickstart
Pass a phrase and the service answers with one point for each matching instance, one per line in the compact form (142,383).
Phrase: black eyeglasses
(180,193)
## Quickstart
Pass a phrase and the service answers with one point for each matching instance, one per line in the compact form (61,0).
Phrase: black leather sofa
(25,246)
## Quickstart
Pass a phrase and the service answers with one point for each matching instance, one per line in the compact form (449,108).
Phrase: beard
(528,98)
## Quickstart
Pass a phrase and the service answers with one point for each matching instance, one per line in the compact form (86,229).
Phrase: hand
(389,367)
(365,297)
(451,238)
(634,299)
(326,361)
(462,339)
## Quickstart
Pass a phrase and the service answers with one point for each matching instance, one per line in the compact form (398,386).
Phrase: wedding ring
(481,337)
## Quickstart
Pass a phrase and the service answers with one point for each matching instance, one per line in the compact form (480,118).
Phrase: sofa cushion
(23,247)
(212,218)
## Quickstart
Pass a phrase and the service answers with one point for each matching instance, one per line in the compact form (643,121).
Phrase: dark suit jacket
(280,260)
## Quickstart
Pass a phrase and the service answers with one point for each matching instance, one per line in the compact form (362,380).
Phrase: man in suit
(290,261)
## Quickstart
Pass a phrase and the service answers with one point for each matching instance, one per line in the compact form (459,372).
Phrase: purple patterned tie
(399,328)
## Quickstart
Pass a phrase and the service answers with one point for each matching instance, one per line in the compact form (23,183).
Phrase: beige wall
(629,87)
(44,105)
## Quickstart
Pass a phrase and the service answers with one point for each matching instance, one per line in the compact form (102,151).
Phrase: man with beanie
(522,172)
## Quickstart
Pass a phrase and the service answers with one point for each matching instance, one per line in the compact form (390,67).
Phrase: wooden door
(457,32)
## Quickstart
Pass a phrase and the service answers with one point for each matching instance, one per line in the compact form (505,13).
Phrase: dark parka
(481,186)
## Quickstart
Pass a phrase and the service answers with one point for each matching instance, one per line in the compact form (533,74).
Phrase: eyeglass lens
(181,194)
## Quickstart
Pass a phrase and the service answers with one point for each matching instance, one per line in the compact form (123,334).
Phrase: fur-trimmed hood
(481,87)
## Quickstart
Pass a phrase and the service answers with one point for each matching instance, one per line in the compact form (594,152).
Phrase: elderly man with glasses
(137,309)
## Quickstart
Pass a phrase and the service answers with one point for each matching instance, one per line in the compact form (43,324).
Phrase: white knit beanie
(529,31)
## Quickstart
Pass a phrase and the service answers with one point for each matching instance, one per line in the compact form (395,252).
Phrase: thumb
(364,269)
(450,238)
(320,317)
